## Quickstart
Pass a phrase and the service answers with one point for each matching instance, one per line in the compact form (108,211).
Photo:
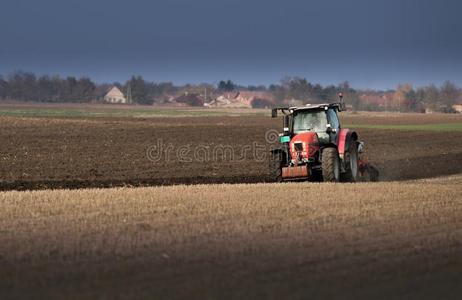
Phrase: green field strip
(135,113)
(423,127)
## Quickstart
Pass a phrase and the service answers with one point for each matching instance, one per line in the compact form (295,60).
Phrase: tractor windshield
(310,120)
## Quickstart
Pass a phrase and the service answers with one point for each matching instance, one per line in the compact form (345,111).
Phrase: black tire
(373,174)
(351,174)
(316,175)
(276,166)
(330,165)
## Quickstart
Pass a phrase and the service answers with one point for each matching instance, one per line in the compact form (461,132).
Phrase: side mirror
(274,113)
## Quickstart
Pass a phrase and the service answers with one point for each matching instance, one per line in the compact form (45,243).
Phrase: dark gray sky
(371,43)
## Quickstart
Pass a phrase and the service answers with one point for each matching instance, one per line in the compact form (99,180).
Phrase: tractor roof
(289,110)
(316,106)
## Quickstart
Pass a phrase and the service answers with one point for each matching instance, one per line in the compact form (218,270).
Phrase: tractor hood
(304,145)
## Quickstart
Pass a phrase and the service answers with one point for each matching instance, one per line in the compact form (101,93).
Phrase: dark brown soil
(39,153)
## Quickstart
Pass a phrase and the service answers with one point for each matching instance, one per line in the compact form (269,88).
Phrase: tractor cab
(323,121)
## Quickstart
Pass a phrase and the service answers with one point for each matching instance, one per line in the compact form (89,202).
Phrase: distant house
(241,99)
(457,108)
(248,98)
(115,96)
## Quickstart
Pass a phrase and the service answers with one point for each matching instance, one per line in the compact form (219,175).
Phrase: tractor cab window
(333,118)
(310,120)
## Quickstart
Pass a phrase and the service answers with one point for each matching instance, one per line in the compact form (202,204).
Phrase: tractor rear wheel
(373,174)
(330,165)
(351,174)
(276,166)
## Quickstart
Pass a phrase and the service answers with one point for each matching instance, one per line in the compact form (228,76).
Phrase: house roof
(115,92)
(254,94)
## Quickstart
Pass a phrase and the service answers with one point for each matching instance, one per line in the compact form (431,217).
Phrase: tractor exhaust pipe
(342,106)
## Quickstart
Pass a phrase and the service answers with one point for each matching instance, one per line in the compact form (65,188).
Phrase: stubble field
(291,241)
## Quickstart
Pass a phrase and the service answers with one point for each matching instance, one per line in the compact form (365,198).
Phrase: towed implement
(315,147)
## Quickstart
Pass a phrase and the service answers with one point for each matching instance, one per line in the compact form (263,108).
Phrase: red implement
(295,172)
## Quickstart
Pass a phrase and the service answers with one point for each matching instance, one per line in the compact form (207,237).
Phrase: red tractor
(314,146)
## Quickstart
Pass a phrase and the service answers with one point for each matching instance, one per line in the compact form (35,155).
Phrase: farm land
(87,211)
(50,147)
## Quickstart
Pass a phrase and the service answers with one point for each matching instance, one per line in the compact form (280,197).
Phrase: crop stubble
(369,240)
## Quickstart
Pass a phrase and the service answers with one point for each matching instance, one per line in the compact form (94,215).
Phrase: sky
(370,43)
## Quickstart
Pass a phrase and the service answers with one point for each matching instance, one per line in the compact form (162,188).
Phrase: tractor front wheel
(330,165)
(276,166)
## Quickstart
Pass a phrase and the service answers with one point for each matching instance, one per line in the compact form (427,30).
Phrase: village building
(240,99)
(457,108)
(115,96)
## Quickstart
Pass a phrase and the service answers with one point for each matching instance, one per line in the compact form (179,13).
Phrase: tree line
(25,86)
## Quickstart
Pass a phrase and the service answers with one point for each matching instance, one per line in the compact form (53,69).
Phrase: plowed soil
(39,153)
